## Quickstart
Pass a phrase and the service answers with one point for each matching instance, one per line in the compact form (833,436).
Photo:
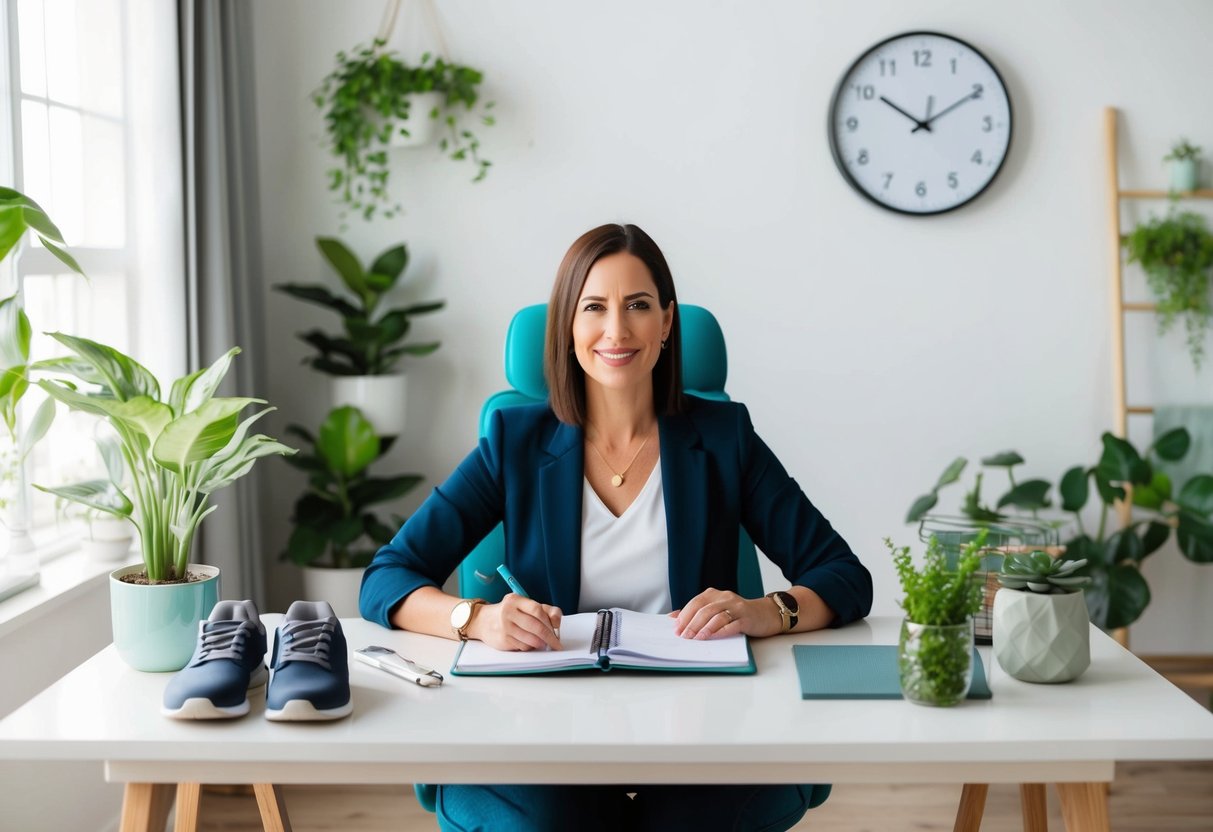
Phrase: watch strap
(473,603)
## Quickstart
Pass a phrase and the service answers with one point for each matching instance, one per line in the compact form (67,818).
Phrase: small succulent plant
(1038,572)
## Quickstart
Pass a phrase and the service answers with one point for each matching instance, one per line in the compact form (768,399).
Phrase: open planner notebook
(611,639)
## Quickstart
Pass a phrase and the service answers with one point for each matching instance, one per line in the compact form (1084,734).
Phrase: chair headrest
(704,357)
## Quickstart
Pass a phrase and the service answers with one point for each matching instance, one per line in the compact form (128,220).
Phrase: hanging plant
(368,100)
(1176,252)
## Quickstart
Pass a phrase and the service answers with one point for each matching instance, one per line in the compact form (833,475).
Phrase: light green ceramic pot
(156,626)
(1184,175)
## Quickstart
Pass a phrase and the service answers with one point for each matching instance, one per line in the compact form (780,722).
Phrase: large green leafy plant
(368,98)
(334,525)
(177,451)
(20,214)
(1176,252)
(1118,594)
(370,343)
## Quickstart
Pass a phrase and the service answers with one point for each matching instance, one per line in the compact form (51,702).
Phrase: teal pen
(511,581)
(516,587)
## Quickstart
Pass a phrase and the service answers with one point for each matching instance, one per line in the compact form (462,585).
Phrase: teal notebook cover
(862,671)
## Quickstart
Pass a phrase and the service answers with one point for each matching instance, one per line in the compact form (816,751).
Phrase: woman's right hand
(517,623)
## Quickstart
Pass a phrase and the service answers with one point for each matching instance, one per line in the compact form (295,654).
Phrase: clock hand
(922,124)
(926,125)
(930,104)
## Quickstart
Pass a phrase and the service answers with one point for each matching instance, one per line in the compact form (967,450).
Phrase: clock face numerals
(921,123)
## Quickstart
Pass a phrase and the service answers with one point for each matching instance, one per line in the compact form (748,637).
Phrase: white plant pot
(339,587)
(1042,638)
(106,538)
(382,400)
(421,127)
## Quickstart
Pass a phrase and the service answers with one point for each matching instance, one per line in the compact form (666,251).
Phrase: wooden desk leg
(972,805)
(273,808)
(189,796)
(1084,806)
(145,806)
(1032,803)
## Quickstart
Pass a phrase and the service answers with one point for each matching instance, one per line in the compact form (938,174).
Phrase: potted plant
(1175,252)
(1118,593)
(177,451)
(1184,161)
(935,650)
(18,215)
(371,100)
(335,532)
(1041,619)
(364,357)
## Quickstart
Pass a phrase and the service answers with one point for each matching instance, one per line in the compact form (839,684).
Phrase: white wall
(871,347)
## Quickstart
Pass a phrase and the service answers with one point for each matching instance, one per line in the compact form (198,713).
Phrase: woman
(620,491)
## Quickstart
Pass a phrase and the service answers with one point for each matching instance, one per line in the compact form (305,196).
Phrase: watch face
(461,614)
(920,123)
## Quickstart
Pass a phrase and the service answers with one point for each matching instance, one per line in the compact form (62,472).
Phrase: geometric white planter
(381,399)
(1042,638)
(339,587)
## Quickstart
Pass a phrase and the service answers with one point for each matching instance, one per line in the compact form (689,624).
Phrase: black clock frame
(837,154)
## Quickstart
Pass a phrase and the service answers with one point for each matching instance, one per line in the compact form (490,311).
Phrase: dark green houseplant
(368,98)
(1118,593)
(334,524)
(1176,252)
(370,343)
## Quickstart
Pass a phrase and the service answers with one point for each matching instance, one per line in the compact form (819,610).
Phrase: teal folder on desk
(861,671)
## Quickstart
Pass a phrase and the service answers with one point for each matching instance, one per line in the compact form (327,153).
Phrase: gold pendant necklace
(618,478)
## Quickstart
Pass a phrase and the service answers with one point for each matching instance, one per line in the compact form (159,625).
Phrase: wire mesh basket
(1004,537)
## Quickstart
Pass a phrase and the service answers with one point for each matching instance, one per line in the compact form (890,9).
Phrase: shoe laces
(307,641)
(223,640)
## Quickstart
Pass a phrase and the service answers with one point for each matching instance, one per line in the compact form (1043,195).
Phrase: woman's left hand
(716,612)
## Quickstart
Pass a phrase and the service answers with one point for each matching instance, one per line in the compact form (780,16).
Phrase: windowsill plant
(368,98)
(935,651)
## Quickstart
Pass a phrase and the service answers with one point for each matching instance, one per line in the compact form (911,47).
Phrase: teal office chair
(704,369)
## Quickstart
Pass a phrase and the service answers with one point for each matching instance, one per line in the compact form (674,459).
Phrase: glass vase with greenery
(935,650)
(1176,252)
(368,98)
(370,344)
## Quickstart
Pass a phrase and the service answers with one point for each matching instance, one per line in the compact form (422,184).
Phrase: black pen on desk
(516,587)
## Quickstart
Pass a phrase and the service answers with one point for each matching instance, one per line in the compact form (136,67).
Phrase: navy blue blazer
(717,476)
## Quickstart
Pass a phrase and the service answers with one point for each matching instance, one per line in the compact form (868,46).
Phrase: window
(89,86)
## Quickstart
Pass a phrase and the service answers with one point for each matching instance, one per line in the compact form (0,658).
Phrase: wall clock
(920,123)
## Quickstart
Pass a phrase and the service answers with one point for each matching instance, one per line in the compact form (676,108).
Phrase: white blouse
(625,559)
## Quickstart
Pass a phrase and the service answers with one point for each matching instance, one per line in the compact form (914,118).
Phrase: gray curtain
(223,259)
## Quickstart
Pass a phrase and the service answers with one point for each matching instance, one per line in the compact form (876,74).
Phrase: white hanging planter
(381,399)
(340,587)
(420,126)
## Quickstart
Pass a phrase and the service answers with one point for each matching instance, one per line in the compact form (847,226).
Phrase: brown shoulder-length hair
(565,378)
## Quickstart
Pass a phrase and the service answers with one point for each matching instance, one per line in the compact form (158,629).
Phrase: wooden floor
(1146,797)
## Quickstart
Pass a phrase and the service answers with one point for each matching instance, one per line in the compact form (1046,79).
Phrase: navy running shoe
(311,669)
(228,662)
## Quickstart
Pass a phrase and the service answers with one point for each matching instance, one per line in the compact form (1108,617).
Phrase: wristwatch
(461,616)
(788,608)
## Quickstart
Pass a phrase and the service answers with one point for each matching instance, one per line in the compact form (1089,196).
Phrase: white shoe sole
(301,710)
(203,708)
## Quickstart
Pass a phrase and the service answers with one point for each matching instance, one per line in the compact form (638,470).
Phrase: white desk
(630,727)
